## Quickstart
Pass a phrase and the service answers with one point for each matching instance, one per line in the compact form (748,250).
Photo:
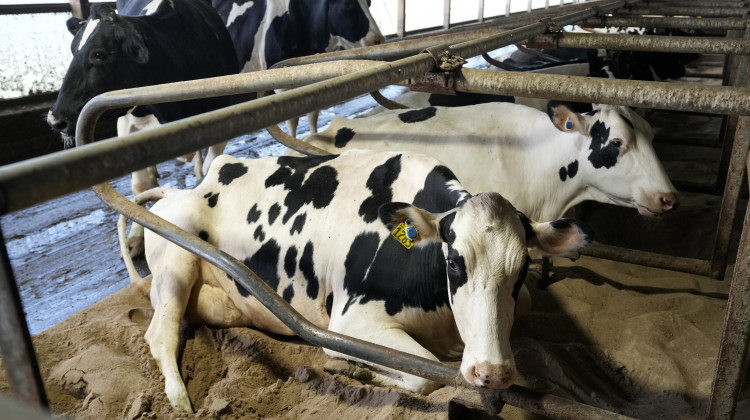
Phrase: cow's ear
(564,237)
(103,11)
(74,24)
(425,223)
(565,119)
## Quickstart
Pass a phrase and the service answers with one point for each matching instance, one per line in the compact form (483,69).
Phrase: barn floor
(636,340)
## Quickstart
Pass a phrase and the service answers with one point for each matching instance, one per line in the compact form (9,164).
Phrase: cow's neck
(542,165)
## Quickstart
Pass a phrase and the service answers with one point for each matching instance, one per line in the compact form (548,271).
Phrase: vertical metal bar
(480,12)
(730,199)
(528,6)
(731,362)
(507,8)
(735,74)
(401,18)
(80,8)
(734,173)
(446,14)
(17,350)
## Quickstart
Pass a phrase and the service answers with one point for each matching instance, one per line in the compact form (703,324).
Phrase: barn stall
(583,342)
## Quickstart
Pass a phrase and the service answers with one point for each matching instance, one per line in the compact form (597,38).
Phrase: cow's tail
(142,283)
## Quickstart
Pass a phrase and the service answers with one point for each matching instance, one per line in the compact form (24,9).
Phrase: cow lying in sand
(542,167)
(322,232)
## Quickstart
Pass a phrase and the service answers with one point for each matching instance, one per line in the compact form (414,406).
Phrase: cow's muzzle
(63,126)
(487,375)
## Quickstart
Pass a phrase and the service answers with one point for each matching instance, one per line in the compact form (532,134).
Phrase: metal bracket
(436,82)
(445,59)
(551,26)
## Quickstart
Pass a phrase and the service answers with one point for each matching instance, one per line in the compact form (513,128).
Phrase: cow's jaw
(63,128)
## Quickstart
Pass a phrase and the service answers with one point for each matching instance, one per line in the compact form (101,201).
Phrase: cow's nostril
(669,204)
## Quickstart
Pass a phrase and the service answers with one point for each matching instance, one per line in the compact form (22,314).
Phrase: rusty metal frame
(137,150)
(735,340)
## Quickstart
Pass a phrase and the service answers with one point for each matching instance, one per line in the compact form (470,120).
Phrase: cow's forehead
(487,220)
(91,26)
(618,118)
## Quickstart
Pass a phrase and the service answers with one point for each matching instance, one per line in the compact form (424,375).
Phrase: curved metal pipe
(286,78)
(385,102)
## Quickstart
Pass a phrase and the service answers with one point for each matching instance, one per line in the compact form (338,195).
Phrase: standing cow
(178,40)
(322,232)
(542,167)
(160,41)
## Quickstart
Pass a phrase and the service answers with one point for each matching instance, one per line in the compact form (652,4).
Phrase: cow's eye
(100,55)
(452,264)
(616,142)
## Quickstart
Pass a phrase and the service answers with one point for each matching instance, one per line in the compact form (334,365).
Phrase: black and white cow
(185,46)
(268,31)
(542,167)
(322,232)
(160,41)
(178,40)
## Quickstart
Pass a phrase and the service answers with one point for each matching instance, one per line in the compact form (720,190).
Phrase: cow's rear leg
(142,180)
(392,338)
(171,286)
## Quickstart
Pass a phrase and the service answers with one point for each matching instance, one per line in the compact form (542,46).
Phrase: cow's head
(351,25)
(618,158)
(486,240)
(108,54)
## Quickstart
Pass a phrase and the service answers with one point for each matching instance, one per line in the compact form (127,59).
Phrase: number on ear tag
(400,234)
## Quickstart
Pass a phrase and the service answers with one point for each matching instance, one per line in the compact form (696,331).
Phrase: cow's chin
(69,140)
(645,211)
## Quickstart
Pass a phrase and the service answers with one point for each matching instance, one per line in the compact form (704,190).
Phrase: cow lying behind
(542,167)
(320,231)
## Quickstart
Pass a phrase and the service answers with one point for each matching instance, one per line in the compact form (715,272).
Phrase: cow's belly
(256,315)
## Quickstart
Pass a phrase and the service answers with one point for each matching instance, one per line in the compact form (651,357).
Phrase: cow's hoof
(135,247)
(350,369)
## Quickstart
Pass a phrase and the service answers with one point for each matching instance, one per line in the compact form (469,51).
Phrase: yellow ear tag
(401,235)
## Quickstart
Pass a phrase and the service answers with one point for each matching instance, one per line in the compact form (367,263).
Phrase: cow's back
(492,136)
(296,222)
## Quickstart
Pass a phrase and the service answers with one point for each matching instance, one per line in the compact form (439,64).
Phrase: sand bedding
(636,340)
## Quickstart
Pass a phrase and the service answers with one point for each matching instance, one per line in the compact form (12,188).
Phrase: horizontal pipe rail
(40,179)
(653,43)
(719,11)
(674,96)
(648,259)
(667,22)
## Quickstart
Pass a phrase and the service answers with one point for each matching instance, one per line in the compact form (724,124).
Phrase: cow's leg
(291,125)
(198,166)
(213,151)
(171,285)
(391,337)
(141,180)
(312,120)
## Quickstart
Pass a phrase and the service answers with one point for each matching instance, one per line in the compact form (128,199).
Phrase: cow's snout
(670,202)
(57,123)
(492,376)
